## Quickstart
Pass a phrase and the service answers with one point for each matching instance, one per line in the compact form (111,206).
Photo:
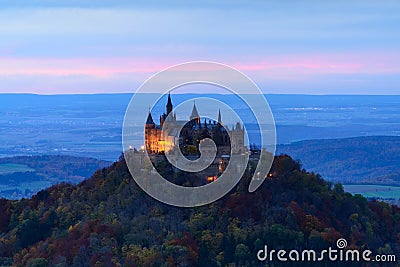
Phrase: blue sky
(304,47)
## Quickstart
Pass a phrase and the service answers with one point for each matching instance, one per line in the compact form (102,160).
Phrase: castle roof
(195,114)
(169,103)
(149,119)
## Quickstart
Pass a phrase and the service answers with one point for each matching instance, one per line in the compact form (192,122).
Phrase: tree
(38,262)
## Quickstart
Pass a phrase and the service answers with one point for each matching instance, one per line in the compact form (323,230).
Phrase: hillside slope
(108,220)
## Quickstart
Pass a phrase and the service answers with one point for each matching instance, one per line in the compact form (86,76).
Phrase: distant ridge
(23,176)
(353,160)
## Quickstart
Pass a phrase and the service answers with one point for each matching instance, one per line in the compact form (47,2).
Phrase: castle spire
(195,114)
(149,119)
(219,117)
(169,104)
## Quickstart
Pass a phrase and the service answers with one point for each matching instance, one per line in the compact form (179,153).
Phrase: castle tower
(219,117)
(151,134)
(195,115)
(169,104)
(237,141)
(150,121)
(168,110)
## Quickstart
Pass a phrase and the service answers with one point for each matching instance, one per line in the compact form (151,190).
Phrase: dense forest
(108,220)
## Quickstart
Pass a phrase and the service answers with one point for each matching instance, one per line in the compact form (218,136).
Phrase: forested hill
(355,160)
(108,220)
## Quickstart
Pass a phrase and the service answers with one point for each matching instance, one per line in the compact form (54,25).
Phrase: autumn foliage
(108,220)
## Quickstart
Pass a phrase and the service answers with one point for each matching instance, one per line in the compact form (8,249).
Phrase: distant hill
(24,176)
(108,220)
(358,160)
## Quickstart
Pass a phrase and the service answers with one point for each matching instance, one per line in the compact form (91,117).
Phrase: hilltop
(108,220)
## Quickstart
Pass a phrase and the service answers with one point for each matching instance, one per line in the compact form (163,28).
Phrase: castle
(163,137)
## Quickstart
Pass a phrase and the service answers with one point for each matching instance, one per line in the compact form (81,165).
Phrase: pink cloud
(362,63)
(295,65)
(102,68)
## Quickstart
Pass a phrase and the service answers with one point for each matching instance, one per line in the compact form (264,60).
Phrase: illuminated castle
(162,138)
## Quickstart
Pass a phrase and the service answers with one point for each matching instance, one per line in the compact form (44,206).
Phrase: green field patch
(33,186)
(7,168)
(374,191)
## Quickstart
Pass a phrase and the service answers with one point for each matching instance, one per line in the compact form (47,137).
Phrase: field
(24,176)
(375,191)
(31,186)
(7,168)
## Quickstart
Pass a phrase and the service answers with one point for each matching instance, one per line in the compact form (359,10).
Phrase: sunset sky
(302,47)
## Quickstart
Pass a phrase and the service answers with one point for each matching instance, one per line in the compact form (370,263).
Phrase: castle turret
(237,140)
(169,104)
(219,117)
(238,127)
(195,115)
(149,121)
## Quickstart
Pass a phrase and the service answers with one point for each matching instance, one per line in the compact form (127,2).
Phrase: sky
(286,47)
